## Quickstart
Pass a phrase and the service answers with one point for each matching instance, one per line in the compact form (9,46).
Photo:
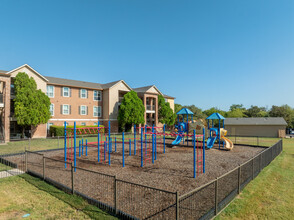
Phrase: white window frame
(95,115)
(49,125)
(81,109)
(67,109)
(99,95)
(83,123)
(81,93)
(64,91)
(99,112)
(53,91)
(52,113)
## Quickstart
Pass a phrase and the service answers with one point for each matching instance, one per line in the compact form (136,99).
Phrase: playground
(149,156)
(172,171)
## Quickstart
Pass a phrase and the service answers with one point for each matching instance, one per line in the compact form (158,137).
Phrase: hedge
(59,130)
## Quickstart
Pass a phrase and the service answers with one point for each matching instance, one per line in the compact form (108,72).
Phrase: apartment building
(73,100)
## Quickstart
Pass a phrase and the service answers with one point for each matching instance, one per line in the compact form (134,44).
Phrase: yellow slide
(228,143)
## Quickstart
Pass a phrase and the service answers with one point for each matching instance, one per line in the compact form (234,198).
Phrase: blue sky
(207,53)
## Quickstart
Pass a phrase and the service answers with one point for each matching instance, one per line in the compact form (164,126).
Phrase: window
(97,95)
(52,109)
(83,110)
(65,92)
(49,125)
(83,93)
(83,123)
(95,123)
(50,91)
(65,109)
(97,111)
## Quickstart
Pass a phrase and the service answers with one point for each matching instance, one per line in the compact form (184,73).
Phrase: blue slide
(210,142)
(178,140)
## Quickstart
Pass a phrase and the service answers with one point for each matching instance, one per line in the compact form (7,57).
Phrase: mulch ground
(172,171)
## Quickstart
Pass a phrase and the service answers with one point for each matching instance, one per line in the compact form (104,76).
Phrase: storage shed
(262,127)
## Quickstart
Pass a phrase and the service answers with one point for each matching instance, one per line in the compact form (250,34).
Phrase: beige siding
(255,130)
(152,90)
(114,99)
(41,83)
(171,103)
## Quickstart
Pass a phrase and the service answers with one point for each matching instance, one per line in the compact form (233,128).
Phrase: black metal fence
(135,201)
(206,201)
(12,164)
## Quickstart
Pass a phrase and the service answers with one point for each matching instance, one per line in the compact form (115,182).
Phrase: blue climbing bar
(123,149)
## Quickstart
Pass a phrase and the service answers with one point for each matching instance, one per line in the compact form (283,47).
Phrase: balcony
(120,99)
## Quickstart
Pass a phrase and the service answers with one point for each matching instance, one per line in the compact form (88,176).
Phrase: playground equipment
(228,143)
(183,127)
(148,142)
(217,133)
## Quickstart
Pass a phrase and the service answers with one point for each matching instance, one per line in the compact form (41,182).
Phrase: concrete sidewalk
(12,172)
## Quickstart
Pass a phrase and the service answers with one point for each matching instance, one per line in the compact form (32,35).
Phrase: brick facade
(111,95)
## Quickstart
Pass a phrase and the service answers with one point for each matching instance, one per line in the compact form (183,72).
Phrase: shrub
(59,130)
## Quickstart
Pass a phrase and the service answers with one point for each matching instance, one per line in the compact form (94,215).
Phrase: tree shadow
(74,201)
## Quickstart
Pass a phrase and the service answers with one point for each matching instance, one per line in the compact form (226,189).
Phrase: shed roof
(256,121)
(185,111)
(216,116)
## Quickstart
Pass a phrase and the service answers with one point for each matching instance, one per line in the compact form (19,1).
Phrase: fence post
(44,168)
(216,195)
(72,178)
(178,206)
(239,179)
(26,161)
(252,168)
(115,195)
(260,168)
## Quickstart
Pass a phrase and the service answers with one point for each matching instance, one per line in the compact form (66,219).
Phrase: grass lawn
(24,194)
(271,194)
(45,144)
(4,167)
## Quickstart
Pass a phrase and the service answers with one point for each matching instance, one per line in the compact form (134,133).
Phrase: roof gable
(112,84)
(30,68)
(146,89)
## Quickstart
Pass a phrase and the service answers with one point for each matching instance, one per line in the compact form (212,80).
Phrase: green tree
(237,106)
(196,111)
(165,113)
(255,111)
(212,110)
(178,107)
(31,105)
(131,110)
(235,113)
(284,111)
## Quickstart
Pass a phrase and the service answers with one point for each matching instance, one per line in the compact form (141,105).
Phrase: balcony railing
(120,99)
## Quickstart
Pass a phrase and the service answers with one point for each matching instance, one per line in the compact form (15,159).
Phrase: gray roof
(3,71)
(167,96)
(256,121)
(108,85)
(142,89)
(70,82)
